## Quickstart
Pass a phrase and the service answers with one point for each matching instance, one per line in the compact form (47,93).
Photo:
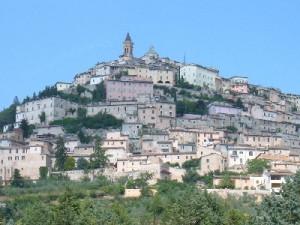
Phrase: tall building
(128,48)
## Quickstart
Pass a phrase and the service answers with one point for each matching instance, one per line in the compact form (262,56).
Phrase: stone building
(223,108)
(27,159)
(128,88)
(239,85)
(54,108)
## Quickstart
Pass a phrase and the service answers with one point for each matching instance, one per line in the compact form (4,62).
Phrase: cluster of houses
(152,137)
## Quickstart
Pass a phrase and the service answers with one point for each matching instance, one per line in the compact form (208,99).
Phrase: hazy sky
(46,41)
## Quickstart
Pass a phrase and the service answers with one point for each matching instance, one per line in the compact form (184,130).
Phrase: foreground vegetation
(63,202)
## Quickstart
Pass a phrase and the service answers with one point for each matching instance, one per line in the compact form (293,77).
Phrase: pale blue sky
(51,40)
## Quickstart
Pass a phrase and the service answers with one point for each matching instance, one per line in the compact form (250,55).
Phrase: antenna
(184,58)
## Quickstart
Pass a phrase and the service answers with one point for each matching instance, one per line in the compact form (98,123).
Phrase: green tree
(82,164)
(98,158)
(60,154)
(226,182)
(83,138)
(69,164)
(232,129)
(235,217)
(37,213)
(193,207)
(80,89)
(42,117)
(68,209)
(99,94)
(239,103)
(156,207)
(257,166)
(7,116)
(17,180)
(81,113)
(282,209)
(25,128)
(43,172)
(191,164)
(191,176)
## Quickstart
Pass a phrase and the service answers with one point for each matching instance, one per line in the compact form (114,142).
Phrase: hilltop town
(155,115)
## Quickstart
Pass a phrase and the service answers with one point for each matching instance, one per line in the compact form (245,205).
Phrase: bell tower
(128,48)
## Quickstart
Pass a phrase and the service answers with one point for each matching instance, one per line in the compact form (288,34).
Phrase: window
(250,153)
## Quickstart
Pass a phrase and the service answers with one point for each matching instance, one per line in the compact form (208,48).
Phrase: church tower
(128,48)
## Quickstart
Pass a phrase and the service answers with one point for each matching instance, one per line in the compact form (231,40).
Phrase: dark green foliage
(187,106)
(208,179)
(26,128)
(253,91)
(98,159)
(48,92)
(232,129)
(81,113)
(191,176)
(99,94)
(80,89)
(42,117)
(101,120)
(83,138)
(239,103)
(82,164)
(17,180)
(194,208)
(7,116)
(191,164)
(140,182)
(185,93)
(60,154)
(257,166)
(43,173)
(181,83)
(173,204)
(283,209)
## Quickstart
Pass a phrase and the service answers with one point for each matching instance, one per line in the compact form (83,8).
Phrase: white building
(200,75)
(98,79)
(61,86)
(238,156)
(116,146)
(54,108)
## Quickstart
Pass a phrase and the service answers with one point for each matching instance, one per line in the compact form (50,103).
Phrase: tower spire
(127,48)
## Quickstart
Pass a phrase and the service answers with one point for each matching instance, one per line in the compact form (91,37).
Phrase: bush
(69,164)
(257,166)
(101,120)
(187,106)
(191,164)
(43,172)
(82,164)
(191,176)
